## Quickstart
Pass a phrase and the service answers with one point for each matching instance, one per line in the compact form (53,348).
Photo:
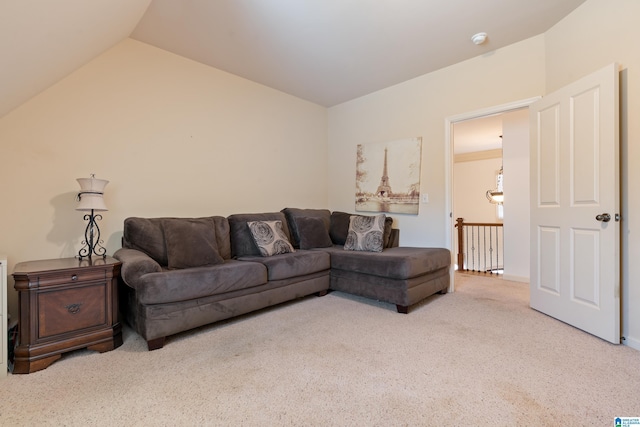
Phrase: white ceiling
(43,41)
(479,134)
(332,51)
(325,51)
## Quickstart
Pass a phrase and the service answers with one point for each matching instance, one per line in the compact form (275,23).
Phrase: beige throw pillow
(270,237)
(366,233)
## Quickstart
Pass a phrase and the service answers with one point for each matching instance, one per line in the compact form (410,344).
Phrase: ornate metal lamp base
(92,243)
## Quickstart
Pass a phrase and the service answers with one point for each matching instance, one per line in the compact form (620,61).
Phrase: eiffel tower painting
(384,189)
(378,165)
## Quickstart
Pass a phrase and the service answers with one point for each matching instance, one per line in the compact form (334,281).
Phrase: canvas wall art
(388,176)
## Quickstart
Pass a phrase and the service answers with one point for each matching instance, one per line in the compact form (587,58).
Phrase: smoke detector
(479,38)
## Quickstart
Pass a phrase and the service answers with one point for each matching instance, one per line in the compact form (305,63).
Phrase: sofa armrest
(135,264)
(394,239)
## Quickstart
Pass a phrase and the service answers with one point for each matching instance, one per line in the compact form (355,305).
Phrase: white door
(575,249)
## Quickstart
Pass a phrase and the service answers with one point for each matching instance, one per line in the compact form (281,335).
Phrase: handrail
(478,249)
(479,224)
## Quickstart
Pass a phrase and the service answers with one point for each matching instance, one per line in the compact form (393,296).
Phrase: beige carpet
(478,357)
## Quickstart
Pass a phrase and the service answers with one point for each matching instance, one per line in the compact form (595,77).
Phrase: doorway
(516,188)
(477,181)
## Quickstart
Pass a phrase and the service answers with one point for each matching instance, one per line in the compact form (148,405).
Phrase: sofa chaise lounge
(182,273)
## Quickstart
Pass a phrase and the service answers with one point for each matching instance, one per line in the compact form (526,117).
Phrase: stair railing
(480,246)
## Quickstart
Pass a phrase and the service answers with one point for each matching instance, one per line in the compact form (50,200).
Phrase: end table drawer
(71,310)
(70,277)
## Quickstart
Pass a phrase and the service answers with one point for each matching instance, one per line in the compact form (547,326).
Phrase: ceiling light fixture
(479,38)
(496,196)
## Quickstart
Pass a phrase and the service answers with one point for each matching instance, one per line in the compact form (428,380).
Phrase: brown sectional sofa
(181,273)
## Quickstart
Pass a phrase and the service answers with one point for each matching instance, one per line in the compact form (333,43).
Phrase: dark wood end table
(65,304)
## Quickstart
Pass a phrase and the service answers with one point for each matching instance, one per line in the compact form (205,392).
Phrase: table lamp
(90,200)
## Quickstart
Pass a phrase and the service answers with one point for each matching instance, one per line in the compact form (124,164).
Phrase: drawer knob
(74,277)
(73,308)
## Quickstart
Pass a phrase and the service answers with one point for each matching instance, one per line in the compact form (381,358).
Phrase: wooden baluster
(459,224)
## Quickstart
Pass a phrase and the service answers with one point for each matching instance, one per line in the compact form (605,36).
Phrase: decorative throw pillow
(190,242)
(366,233)
(313,233)
(270,237)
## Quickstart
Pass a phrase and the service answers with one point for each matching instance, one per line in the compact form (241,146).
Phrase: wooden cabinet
(3,316)
(65,304)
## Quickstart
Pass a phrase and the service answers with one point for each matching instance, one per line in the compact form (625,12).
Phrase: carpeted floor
(477,357)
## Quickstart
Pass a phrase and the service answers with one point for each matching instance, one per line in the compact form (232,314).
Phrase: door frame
(449,158)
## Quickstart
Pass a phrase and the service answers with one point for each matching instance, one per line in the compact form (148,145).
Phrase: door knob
(605,217)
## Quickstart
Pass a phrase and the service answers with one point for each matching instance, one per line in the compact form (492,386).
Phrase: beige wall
(596,34)
(515,156)
(419,107)
(471,180)
(173,137)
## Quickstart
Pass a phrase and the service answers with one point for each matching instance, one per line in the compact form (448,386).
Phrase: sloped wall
(173,137)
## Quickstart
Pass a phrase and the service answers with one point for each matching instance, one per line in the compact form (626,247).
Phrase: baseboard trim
(515,278)
(632,342)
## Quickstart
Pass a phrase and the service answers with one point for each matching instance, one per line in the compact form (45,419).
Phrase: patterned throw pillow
(365,233)
(269,237)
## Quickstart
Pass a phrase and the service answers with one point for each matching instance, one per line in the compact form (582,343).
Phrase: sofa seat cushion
(394,263)
(294,264)
(403,292)
(190,283)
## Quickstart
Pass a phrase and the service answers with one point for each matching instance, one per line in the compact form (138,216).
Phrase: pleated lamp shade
(90,195)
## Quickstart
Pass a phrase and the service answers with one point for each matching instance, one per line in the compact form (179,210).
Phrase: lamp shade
(495,196)
(90,195)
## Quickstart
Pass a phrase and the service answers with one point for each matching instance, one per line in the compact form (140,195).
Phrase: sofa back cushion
(339,227)
(145,235)
(190,242)
(223,238)
(242,242)
(294,214)
(314,233)
(148,235)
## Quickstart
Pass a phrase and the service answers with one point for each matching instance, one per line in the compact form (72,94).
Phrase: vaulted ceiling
(42,41)
(324,51)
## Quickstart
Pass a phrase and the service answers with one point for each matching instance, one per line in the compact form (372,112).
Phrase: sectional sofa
(182,273)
